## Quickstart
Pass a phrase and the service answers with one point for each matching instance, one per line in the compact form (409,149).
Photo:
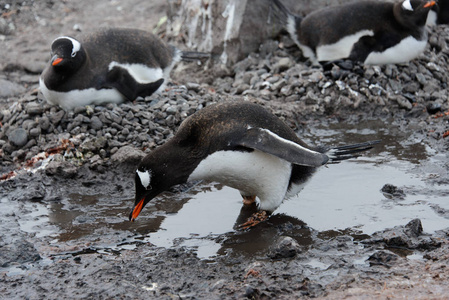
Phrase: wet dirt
(352,233)
(325,242)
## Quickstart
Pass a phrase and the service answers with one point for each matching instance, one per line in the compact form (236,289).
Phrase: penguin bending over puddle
(110,65)
(371,32)
(241,145)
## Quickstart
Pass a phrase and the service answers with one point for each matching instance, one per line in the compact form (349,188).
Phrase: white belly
(74,98)
(252,173)
(408,49)
(342,48)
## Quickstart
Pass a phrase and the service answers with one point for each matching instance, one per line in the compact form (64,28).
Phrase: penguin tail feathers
(193,55)
(283,13)
(340,153)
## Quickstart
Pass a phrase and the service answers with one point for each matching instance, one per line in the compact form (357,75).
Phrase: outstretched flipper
(266,141)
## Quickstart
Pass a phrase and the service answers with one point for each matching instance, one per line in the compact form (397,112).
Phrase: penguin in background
(439,14)
(370,31)
(110,65)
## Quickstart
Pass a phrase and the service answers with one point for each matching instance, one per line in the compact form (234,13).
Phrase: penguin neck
(171,164)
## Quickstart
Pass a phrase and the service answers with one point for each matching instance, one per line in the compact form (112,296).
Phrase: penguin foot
(248,200)
(255,219)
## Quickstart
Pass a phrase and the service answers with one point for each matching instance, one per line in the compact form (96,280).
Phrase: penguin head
(168,165)
(150,181)
(411,13)
(67,54)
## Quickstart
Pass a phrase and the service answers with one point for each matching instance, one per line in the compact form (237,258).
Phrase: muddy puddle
(340,198)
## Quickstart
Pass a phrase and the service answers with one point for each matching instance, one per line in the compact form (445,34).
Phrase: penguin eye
(73,54)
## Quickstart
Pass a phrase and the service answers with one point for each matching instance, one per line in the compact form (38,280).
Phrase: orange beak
(430,3)
(137,210)
(56,61)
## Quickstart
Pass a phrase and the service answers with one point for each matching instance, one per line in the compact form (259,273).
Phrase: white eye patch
(76,46)
(145,178)
(407,5)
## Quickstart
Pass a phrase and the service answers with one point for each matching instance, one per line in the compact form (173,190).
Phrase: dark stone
(286,248)
(414,227)
(433,107)
(390,191)
(251,293)
(383,258)
(18,137)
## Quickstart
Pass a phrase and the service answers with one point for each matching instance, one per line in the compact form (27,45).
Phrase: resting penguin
(110,65)
(241,145)
(371,32)
(439,13)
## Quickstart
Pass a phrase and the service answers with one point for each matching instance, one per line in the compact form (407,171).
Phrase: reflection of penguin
(372,32)
(111,65)
(238,144)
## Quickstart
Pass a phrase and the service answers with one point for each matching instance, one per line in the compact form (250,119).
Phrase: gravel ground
(105,142)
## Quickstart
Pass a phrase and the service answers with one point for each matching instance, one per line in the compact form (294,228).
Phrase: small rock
(95,123)
(94,145)
(383,258)
(282,65)
(44,123)
(55,118)
(79,110)
(390,191)
(35,132)
(33,109)
(62,169)
(18,137)
(193,86)
(127,156)
(414,227)
(421,78)
(433,107)
(286,248)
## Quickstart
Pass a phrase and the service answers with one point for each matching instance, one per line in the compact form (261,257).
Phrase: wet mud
(373,227)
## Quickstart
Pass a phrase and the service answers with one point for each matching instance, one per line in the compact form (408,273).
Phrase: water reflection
(339,199)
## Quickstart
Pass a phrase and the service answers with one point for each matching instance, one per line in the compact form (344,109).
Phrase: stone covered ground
(97,147)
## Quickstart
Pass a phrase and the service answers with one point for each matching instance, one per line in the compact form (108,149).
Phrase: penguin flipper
(120,79)
(266,141)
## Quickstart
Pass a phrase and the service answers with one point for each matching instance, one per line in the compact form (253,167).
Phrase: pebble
(18,137)
(33,109)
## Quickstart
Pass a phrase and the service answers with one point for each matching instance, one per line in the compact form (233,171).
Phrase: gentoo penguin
(439,14)
(371,32)
(238,144)
(110,65)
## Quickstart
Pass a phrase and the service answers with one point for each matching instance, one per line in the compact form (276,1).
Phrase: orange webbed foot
(255,219)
